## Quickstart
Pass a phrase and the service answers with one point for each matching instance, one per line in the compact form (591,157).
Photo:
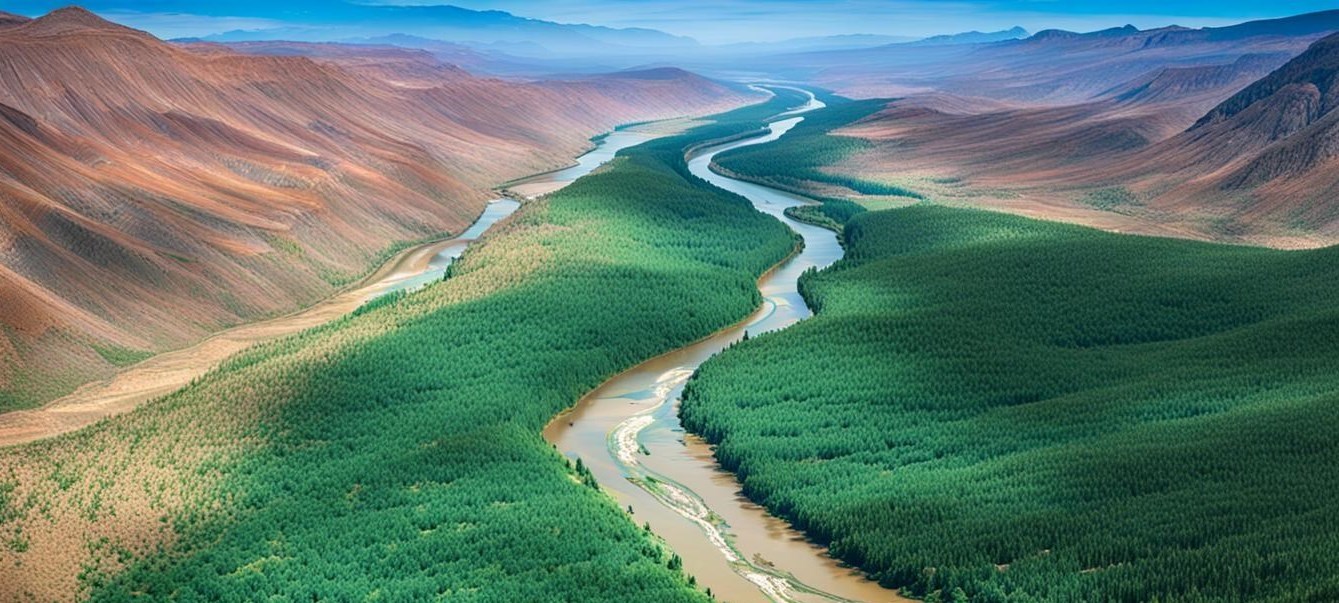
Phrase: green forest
(994,408)
(396,454)
(796,165)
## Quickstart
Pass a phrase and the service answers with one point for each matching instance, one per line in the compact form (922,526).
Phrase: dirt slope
(151,193)
(1056,67)
(1240,151)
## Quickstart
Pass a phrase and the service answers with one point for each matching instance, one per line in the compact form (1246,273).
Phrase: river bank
(627,432)
(410,269)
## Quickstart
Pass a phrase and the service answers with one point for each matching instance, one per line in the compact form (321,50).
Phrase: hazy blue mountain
(815,43)
(495,59)
(973,37)
(492,30)
(1310,24)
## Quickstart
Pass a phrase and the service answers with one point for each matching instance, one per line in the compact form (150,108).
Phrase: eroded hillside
(153,193)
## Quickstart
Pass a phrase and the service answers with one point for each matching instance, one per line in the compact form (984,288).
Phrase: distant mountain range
(858,41)
(1229,132)
(1052,66)
(1297,25)
(505,34)
(497,42)
(811,43)
(496,30)
(973,37)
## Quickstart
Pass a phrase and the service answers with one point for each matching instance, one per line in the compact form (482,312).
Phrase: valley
(627,433)
(407,272)
(232,187)
(347,302)
(222,495)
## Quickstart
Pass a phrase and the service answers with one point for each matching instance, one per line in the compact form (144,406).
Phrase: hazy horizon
(707,22)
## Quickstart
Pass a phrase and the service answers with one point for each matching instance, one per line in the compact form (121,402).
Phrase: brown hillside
(150,194)
(1246,150)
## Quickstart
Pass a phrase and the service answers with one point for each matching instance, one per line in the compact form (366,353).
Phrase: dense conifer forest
(994,408)
(798,164)
(395,454)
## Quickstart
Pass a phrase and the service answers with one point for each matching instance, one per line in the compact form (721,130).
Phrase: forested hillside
(798,166)
(996,408)
(395,454)
(228,187)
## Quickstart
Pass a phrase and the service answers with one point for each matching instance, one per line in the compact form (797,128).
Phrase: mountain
(1049,35)
(1052,67)
(403,66)
(1197,84)
(808,44)
(1298,25)
(8,19)
(1310,75)
(465,57)
(1308,24)
(1274,145)
(973,37)
(1220,133)
(152,193)
(485,60)
(488,30)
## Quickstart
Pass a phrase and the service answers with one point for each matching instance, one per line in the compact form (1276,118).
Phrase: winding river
(170,371)
(628,432)
(606,147)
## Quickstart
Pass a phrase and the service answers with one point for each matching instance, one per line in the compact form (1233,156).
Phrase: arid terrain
(228,185)
(1178,132)
(336,300)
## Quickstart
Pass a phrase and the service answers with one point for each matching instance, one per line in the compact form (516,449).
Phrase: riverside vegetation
(992,408)
(798,165)
(395,454)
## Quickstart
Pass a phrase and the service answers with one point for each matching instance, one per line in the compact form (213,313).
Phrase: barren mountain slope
(1057,67)
(1227,151)
(995,143)
(8,19)
(150,194)
(1270,153)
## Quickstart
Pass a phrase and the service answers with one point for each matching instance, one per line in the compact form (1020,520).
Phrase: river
(606,147)
(167,372)
(628,432)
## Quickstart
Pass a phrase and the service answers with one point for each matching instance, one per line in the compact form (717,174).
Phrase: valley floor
(397,450)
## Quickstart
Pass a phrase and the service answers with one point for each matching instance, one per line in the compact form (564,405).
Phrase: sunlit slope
(803,164)
(1240,152)
(1033,410)
(397,453)
(153,193)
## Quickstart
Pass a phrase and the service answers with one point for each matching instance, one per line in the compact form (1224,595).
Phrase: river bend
(628,432)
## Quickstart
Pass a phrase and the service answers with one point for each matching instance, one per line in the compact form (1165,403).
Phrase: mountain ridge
(521,36)
(972,37)
(228,186)
(1288,118)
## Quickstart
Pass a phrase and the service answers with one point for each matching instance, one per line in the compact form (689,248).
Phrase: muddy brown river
(628,432)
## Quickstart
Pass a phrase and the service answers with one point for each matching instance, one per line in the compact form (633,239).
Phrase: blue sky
(730,20)
(716,21)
